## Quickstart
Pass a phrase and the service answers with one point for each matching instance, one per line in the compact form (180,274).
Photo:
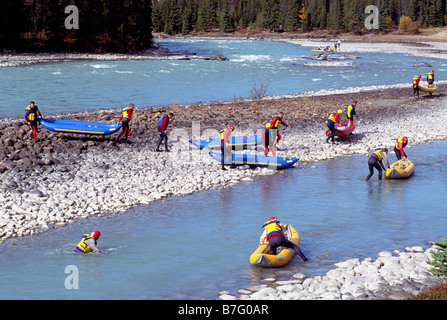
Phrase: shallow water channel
(194,246)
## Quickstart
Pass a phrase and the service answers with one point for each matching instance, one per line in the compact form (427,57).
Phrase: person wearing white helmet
(331,121)
(88,243)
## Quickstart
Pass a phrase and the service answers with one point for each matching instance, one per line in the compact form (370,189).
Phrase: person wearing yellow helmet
(376,160)
(331,121)
(268,140)
(225,138)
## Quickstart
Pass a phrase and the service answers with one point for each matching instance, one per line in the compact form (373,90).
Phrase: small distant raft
(400,169)
(82,127)
(428,87)
(343,129)
(254,160)
(237,141)
(323,50)
(262,256)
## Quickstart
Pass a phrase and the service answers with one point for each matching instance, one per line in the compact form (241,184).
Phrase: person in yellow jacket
(126,119)
(431,77)
(88,243)
(274,235)
(225,148)
(331,121)
(350,111)
(31,115)
(401,143)
(416,85)
(376,160)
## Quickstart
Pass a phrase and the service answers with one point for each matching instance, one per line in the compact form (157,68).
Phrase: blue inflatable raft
(237,141)
(254,160)
(82,127)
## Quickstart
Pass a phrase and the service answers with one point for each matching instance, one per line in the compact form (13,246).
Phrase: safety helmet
(432,70)
(231,128)
(340,111)
(268,125)
(272,218)
(96,234)
(419,76)
(404,138)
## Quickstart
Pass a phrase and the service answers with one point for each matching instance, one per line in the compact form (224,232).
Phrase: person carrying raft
(276,121)
(331,121)
(126,119)
(350,111)
(273,233)
(416,85)
(88,243)
(31,115)
(162,124)
(431,77)
(225,148)
(376,160)
(401,143)
(268,140)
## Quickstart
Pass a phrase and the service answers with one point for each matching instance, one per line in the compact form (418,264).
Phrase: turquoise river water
(194,246)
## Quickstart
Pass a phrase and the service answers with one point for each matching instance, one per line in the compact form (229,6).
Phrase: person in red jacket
(331,121)
(416,85)
(276,121)
(163,124)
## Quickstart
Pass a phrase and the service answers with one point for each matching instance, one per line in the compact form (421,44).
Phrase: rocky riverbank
(391,276)
(61,178)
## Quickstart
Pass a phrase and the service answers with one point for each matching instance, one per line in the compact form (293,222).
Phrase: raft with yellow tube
(400,169)
(428,88)
(264,258)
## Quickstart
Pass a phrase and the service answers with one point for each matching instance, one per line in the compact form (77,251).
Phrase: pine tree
(293,18)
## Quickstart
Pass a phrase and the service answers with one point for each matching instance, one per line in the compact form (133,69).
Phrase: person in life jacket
(273,233)
(225,148)
(276,121)
(350,111)
(416,85)
(331,121)
(126,119)
(88,243)
(31,115)
(163,124)
(431,77)
(376,160)
(401,143)
(268,140)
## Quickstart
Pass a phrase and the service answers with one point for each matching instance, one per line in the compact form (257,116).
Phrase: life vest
(273,229)
(160,121)
(222,135)
(82,246)
(275,124)
(378,154)
(400,140)
(332,117)
(430,76)
(127,113)
(415,81)
(350,111)
(33,114)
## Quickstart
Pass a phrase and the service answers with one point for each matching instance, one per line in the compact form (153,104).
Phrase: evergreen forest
(127,25)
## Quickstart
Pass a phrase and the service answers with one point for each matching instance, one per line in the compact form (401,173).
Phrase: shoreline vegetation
(65,159)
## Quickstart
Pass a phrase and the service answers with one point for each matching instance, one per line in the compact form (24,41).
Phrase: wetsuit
(415,86)
(431,78)
(275,237)
(31,116)
(225,138)
(162,126)
(375,161)
(399,148)
(331,121)
(276,121)
(125,119)
(350,112)
(268,141)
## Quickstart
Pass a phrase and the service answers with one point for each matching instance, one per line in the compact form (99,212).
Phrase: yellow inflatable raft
(428,88)
(262,256)
(400,169)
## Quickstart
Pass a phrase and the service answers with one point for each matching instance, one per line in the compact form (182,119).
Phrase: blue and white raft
(237,142)
(254,160)
(82,127)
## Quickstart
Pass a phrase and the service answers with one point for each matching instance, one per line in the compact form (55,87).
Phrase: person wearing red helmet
(225,138)
(274,235)
(399,148)
(162,124)
(431,77)
(275,122)
(88,243)
(416,85)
